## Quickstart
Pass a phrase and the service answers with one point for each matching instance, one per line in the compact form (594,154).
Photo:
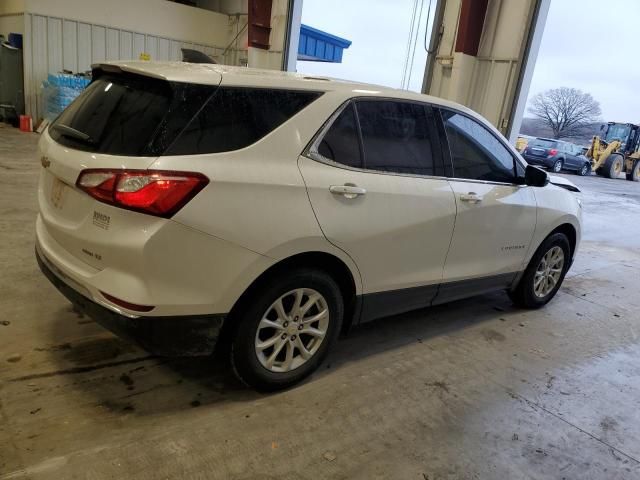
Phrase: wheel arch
(570,232)
(320,260)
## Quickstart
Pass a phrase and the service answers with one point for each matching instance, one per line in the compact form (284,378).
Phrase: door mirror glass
(534,177)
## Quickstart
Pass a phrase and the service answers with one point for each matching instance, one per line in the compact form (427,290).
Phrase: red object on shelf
(26,123)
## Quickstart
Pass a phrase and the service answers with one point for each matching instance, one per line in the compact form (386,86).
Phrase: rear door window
(115,115)
(397,136)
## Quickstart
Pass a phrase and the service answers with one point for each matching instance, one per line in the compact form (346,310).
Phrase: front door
(496,216)
(376,197)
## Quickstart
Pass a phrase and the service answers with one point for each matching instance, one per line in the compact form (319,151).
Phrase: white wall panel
(175,54)
(163,49)
(54,44)
(84,47)
(151,46)
(70,45)
(98,43)
(113,44)
(126,45)
(39,60)
(138,45)
(27,45)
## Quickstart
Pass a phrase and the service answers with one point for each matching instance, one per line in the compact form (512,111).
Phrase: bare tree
(566,111)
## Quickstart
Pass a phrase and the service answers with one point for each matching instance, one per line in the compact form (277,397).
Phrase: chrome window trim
(486,182)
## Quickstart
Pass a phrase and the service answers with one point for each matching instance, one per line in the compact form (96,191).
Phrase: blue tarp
(318,46)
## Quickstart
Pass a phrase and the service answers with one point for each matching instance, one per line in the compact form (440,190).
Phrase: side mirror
(534,177)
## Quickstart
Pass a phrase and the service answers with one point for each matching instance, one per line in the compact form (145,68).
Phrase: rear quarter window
(235,118)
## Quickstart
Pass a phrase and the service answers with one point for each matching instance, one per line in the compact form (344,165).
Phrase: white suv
(182,203)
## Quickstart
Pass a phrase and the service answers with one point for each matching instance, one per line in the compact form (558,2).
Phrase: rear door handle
(347,190)
(471,197)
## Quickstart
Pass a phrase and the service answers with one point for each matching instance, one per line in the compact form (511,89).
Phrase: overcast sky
(587,44)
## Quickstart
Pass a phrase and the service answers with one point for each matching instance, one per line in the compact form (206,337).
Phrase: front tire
(544,274)
(613,165)
(287,329)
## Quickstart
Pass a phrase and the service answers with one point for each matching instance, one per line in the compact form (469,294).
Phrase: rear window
(114,115)
(140,116)
(542,142)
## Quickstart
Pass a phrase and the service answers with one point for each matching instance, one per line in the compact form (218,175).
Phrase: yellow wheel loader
(616,151)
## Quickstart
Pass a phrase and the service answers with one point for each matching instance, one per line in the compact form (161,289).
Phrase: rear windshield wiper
(71,132)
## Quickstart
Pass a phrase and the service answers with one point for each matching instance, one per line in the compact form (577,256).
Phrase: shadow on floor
(124,379)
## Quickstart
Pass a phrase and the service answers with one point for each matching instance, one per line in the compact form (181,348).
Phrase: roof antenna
(195,56)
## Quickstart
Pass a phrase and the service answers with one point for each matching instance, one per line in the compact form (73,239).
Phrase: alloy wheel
(292,330)
(557,167)
(548,272)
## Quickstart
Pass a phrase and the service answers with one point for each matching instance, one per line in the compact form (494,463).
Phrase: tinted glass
(543,142)
(477,153)
(396,137)
(340,143)
(234,118)
(115,115)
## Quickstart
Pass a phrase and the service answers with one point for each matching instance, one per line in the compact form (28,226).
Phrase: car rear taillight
(155,192)
(553,152)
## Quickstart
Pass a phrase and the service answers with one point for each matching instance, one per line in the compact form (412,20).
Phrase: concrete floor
(474,389)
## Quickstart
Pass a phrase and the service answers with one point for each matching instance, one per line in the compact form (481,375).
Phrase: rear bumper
(166,336)
(542,161)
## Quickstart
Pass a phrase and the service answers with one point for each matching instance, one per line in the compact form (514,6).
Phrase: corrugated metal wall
(53,44)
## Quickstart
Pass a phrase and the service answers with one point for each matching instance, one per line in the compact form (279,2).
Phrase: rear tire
(634,175)
(272,318)
(613,165)
(543,267)
(557,166)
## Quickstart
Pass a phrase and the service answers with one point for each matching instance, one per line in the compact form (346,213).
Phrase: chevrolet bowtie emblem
(45,162)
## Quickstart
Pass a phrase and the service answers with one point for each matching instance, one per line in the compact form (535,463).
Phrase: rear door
(496,216)
(375,181)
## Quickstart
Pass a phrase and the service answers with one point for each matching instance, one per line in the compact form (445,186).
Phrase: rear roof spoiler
(98,68)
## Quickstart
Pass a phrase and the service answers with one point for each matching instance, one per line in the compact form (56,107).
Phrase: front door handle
(471,197)
(348,190)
